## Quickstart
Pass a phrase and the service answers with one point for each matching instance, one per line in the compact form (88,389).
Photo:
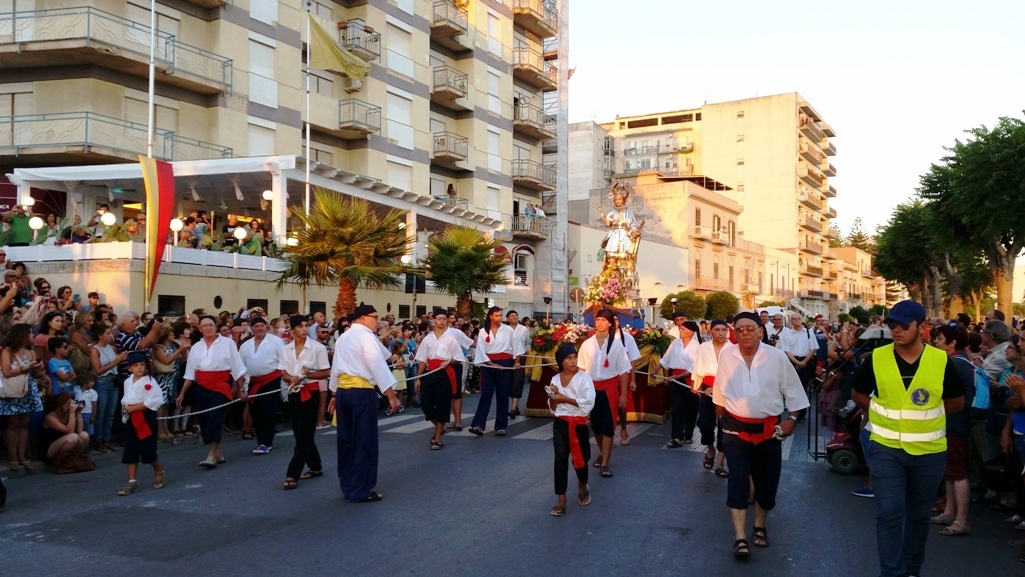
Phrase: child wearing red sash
(139,406)
(571,397)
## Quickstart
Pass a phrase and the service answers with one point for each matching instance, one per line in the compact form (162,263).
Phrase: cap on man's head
(511,312)
(747,315)
(679,314)
(817,317)
(691,326)
(439,312)
(296,320)
(494,310)
(94,295)
(906,312)
(362,311)
(605,314)
(253,321)
(136,357)
(718,323)
(564,350)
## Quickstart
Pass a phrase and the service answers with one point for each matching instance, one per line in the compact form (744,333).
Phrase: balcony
(810,129)
(533,175)
(832,232)
(535,17)
(453,201)
(676,170)
(827,129)
(812,247)
(867,273)
(530,67)
(549,202)
(450,85)
(702,232)
(830,149)
(831,212)
(810,199)
(530,120)
(751,288)
(533,227)
(811,176)
(817,294)
(208,3)
(549,145)
(357,119)
(829,191)
(449,148)
(361,40)
(810,222)
(449,20)
(812,270)
(828,169)
(83,36)
(686,148)
(708,283)
(67,136)
(811,153)
(550,47)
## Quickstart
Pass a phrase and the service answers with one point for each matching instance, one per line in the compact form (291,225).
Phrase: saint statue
(620,245)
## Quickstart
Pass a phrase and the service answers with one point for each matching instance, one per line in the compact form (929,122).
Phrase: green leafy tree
(345,241)
(859,238)
(721,304)
(978,190)
(838,240)
(462,262)
(777,303)
(689,302)
(859,311)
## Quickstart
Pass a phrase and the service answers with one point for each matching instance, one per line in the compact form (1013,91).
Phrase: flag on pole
(326,54)
(159,178)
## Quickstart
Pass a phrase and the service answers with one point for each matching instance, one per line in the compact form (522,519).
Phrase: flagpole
(309,42)
(150,212)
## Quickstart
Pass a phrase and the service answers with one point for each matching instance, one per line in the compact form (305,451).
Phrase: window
(400,175)
(261,140)
(321,8)
(494,100)
(405,5)
(398,51)
(494,160)
(715,267)
(520,277)
(262,303)
(168,21)
(494,35)
(399,115)
(697,266)
(697,217)
(740,187)
(164,117)
(289,307)
(716,223)
(320,82)
(321,153)
(731,276)
(740,115)
(421,310)
(170,305)
(732,230)
(264,10)
(403,311)
(760,273)
(263,88)
(740,162)
(13,105)
(318,307)
(493,196)
(740,139)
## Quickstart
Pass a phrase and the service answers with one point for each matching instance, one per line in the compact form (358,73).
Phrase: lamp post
(548,310)
(651,302)
(674,301)
(406,260)
(35,223)
(176,226)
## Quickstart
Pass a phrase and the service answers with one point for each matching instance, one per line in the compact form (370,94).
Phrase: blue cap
(907,312)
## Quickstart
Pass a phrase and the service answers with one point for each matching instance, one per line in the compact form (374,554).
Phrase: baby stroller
(845,453)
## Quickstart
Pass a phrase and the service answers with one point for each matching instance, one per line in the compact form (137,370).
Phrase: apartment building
(458,105)
(850,275)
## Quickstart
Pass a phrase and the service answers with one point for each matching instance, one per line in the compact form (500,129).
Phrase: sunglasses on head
(892,324)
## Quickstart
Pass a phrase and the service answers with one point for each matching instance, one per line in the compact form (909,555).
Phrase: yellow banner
(326,54)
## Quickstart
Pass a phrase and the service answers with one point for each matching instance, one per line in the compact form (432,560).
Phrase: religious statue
(619,249)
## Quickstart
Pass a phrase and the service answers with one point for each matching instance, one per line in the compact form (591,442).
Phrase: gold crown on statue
(621,190)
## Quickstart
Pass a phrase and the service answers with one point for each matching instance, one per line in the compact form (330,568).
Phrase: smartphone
(76,298)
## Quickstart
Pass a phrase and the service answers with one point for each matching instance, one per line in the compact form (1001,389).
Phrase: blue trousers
(106,406)
(497,382)
(905,487)
(356,410)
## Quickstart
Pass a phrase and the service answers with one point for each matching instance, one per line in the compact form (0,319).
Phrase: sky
(898,80)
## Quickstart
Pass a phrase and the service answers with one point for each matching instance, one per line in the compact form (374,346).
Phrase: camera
(773,339)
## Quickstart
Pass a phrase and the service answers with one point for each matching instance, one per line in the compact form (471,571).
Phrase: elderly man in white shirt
(360,363)
(497,351)
(755,385)
(436,354)
(262,357)
(304,365)
(800,345)
(604,358)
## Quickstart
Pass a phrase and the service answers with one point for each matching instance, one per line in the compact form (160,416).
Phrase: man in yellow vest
(908,389)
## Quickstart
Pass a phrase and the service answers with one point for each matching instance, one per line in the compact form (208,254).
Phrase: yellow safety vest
(911,419)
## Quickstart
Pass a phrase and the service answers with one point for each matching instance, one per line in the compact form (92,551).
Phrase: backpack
(981,400)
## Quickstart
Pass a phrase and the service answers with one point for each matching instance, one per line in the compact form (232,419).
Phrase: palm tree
(462,261)
(343,240)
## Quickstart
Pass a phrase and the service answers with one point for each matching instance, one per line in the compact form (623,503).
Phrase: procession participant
(465,343)
(142,399)
(604,358)
(303,367)
(679,361)
(800,346)
(437,352)
(497,350)
(360,363)
(915,390)
(706,364)
(215,366)
(774,331)
(324,338)
(571,399)
(754,385)
(519,376)
(262,357)
(634,354)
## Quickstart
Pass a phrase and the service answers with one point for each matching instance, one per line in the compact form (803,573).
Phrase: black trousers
(711,430)
(304,426)
(518,379)
(264,410)
(560,440)
(210,422)
(762,463)
(685,411)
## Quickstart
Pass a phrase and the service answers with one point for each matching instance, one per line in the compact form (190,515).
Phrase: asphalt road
(479,507)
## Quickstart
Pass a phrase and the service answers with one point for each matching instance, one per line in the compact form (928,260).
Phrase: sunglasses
(892,324)
(744,329)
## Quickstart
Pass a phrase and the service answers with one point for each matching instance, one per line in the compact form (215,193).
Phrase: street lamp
(28,202)
(239,233)
(548,310)
(651,302)
(108,219)
(176,226)
(674,301)
(406,260)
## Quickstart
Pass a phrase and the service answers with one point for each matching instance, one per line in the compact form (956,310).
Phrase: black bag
(1003,473)
(998,412)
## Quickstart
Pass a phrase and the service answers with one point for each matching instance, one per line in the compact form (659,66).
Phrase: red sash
(142,430)
(708,381)
(433,364)
(574,442)
(216,381)
(499,356)
(308,388)
(611,389)
(677,372)
(256,382)
(751,430)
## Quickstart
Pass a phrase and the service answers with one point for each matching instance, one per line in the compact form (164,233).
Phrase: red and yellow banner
(159,178)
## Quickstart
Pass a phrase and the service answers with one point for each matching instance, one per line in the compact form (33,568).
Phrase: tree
(462,261)
(838,240)
(772,303)
(345,241)
(721,304)
(858,238)
(978,190)
(689,302)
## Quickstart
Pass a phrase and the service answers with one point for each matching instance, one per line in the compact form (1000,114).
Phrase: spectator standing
(21,232)
(20,396)
(104,360)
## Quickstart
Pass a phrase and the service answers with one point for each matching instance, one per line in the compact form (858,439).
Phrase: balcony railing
(535,16)
(812,247)
(358,117)
(810,175)
(533,174)
(813,270)
(810,222)
(531,66)
(114,35)
(751,288)
(531,120)
(549,145)
(811,153)
(538,227)
(832,232)
(449,83)
(709,283)
(809,199)
(450,146)
(449,19)
(783,293)
(453,201)
(356,38)
(96,133)
(810,129)
(828,169)
(831,212)
(829,191)
(830,149)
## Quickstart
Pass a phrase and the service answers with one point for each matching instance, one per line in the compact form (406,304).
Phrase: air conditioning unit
(352,84)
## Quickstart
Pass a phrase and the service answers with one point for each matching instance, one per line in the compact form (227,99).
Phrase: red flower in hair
(149,386)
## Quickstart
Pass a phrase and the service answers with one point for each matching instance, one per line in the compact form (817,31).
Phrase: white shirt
(312,357)
(680,356)
(798,343)
(460,337)
(359,353)
(580,389)
(88,397)
(222,355)
(770,330)
(706,362)
(764,390)
(432,347)
(135,392)
(265,359)
(522,336)
(501,341)
(632,352)
(591,358)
